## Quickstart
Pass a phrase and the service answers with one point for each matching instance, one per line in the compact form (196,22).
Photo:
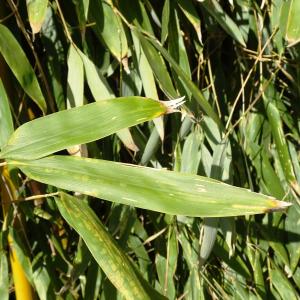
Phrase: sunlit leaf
(158,190)
(289,21)
(36,13)
(110,257)
(20,66)
(79,125)
(6,123)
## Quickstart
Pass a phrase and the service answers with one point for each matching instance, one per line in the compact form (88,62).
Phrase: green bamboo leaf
(159,190)
(215,9)
(279,280)
(101,90)
(258,274)
(148,80)
(82,8)
(177,50)
(108,28)
(208,237)
(292,225)
(166,266)
(6,122)
(42,280)
(151,147)
(20,66)
(278,135)
(97,83)
(196,93)
(4,275)
(110,257)
(159,68)
(137,246)
(75,78)
(191,14)
(289,21)
(165,21)
(191,153)
(190,245)
(94,280)
(236,262)
(36,13)
(91,122)
(137,14)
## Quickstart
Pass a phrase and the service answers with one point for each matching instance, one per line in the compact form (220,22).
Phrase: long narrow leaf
(196,93)
(104,249)
(20,66)
(158,190)
(6,122)
(215,9)
(79,125)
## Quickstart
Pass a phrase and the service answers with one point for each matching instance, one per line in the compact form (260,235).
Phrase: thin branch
(248,77)
(31,198)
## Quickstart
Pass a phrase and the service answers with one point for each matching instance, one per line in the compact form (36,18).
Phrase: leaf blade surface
(158,190)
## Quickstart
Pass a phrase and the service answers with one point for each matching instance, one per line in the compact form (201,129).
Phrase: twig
(248,77)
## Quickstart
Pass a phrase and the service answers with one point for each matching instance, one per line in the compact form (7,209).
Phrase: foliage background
(242,57)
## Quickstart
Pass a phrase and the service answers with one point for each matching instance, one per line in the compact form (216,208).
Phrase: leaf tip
(172,105)
(277,205)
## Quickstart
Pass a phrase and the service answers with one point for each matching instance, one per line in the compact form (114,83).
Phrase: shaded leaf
(215,9)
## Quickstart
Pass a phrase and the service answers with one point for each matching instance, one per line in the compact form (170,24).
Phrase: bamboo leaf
(159,68)
(158,190)
(20,66)
(75,78)
(110,257)
(151,147)
(191,153)
(125,136)
(215,9)
(279,280)
(208,238)
(92,121)
(289,21)
(36,13)
(6,122)
(42,280)
(165,21)
(4,275)
(196,93)
(148,80)
(97,83)
(279,137)
(101,90)
(108,28)
(191,14)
